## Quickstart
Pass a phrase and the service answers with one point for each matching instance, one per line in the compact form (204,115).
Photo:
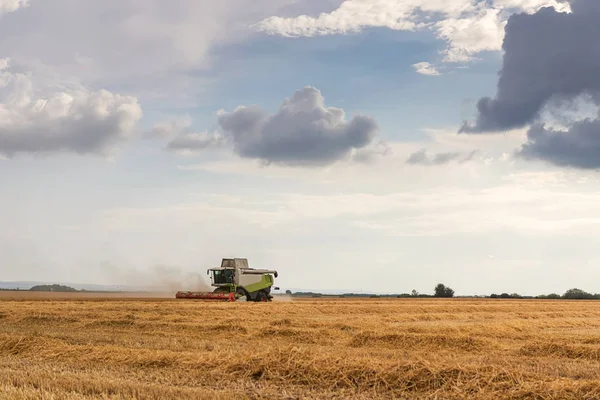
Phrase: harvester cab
(234,280)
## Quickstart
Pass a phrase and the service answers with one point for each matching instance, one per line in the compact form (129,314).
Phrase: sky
(352,145)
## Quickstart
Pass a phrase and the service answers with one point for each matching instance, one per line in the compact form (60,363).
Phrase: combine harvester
(235,281)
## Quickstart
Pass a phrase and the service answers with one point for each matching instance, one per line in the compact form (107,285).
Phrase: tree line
(440,290)
(571,294)
(52,288)
(443,291)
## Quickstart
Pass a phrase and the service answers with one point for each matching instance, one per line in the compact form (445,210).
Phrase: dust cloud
(174,279)
(282,298)
(158,279)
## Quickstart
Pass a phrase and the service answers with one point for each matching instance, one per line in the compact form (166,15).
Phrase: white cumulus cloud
(468,26)
(426,68)
(467,36)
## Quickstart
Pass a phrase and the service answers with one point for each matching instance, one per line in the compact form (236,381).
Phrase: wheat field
(110,347)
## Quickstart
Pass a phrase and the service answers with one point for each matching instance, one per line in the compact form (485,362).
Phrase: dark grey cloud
(422,158)
(547,55)
(84,134)
(578,147)
(302,132)
(78,121)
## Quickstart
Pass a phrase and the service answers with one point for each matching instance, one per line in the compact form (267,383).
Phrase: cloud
(548,55)
(468,26)
(550,66)
(530,6)
(170,128)
(130,42)
(75,120)
(578,147)
(369,154)
(447,140)
(182,139)
(302,132)
(422,158)
(480,31)
(426,68)
(12,5)
(192,143)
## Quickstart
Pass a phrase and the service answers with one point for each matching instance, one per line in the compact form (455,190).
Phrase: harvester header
(234,280)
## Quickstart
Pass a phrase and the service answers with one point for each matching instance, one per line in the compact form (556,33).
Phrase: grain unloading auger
(235,281)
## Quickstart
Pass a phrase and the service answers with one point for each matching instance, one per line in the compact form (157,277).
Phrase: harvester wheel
(261,296)
(242,292)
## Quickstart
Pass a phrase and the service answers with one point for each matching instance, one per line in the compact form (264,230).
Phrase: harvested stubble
(321,349)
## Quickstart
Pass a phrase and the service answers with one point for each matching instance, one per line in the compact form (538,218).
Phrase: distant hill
(27,285)
(52,288)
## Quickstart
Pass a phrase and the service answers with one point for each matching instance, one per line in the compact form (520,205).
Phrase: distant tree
(493,296)
(414,293)
(505,296)
(442,290)
(577,294)
(52,288)
(289,292)
(549,296)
